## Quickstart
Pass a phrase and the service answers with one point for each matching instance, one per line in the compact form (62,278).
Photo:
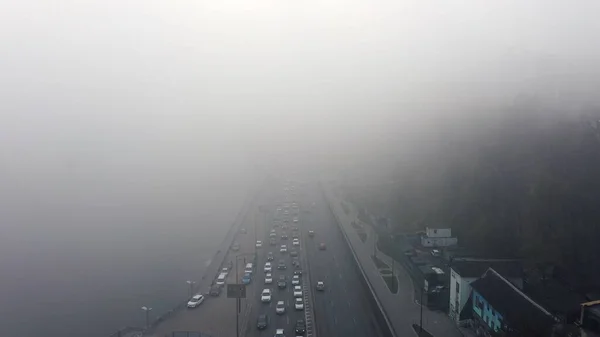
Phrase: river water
(84,264)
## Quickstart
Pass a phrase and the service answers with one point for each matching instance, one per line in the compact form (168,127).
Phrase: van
(248,269)
(221,279)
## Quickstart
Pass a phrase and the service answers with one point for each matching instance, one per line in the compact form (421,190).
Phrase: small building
(438,232)
(435,286)
(438,237)
(464,272)
(500,307)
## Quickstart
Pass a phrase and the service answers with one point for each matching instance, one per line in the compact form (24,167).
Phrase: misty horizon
(127,126)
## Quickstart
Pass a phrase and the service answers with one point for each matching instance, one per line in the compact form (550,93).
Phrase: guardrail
(381,315)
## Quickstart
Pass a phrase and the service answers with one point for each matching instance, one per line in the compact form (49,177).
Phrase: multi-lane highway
(341,309)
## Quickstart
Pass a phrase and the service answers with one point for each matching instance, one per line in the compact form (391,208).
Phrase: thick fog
(124,122)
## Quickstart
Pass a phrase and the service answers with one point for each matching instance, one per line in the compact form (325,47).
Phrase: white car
(296,280)
(280,308)
(299,304)
(225,270)
(283,249)
(279,333)
(295,219)
(258,244)
(268,267)
(296,242)
(268,278)
(195,301)
(297,291)
(266,295)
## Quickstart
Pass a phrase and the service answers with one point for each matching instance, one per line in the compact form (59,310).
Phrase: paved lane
(342,309)
(288,320)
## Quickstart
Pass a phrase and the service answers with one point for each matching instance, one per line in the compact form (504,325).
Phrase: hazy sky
(159,92)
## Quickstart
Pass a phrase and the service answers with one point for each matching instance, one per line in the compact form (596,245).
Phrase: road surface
(342,309)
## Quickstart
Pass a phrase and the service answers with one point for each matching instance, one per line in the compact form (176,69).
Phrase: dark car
(311,234)
(272,242)
(322,246)
(270,256)
(284,237)
(215,291)
(298,272)
(262,322)
(300,326)
(293,253)
(282,283)
(281,265)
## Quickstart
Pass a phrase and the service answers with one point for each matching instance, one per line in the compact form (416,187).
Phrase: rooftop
(470,268)
(556,298)
(520,312)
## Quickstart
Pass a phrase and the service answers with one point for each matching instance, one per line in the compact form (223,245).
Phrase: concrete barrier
(381,315)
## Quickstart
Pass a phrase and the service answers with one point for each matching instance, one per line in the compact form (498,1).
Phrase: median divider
(380,314)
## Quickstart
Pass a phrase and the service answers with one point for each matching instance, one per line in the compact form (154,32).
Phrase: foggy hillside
(526,186)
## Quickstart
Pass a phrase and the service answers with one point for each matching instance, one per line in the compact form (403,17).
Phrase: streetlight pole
(237,301)
(393,278)
(191,283)
(374,242)
(255,233)
(147,310)
(421,320)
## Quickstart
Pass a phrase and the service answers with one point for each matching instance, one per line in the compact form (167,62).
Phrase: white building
(463,273)
(438,232)
(438,237)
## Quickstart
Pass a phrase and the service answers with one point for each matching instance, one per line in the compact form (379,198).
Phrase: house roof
(556,298)
(519,311)
(507,268)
